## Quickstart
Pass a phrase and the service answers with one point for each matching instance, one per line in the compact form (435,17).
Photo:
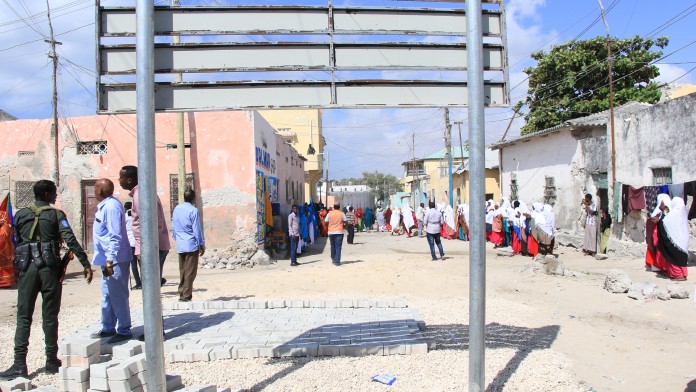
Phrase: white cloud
(673,73)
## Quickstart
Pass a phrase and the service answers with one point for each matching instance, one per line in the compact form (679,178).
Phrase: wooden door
(89,209)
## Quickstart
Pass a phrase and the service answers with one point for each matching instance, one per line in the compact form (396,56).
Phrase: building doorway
(89,209)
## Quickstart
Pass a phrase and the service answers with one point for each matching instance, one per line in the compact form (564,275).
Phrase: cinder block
(381,304)
(98,370)
(276,304)
(124,385)
(83,347)
(137,364)
(216,305)
(346,303)
(183,306)
(99,384)
(230,305)
(259,304)
(331,304)
(197,305)
(79,361)
(247,352)
(198,354)
(177,356)
(128,349)
(317,304)
(266,352)
(243,305)
(142,377)
(417,348)
(119,372)
(20,383)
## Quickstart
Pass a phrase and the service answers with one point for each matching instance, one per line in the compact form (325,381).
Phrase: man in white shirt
(433,222)
(131,240)
(420,215)
(590,243)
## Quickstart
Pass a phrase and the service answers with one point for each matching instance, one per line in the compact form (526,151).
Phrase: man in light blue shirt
(112,253)
(190,244)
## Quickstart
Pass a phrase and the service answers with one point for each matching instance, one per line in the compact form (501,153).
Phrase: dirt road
(545,333)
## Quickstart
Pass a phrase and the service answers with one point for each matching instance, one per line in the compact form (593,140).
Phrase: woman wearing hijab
(408,220)
(652,262)
(498,231)
(490,212)
(395,222)
(523,220)
(507,225)
(462,222)
(324,226)
(673,233)
(369,219)
(359,220)
(533,232)
(387,217)
(590,245)
(605,229)
(447,230)
(548,231)
(381,220)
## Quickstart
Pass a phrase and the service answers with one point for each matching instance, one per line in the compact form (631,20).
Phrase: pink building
(234,158)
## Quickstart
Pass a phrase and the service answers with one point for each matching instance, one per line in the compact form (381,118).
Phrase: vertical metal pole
(477,195)
(180,142)
(147,193)
(448,146)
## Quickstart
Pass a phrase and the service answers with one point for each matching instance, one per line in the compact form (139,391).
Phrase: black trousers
(32,282)
(351,233)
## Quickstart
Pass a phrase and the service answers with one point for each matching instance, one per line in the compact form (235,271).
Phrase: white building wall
(556,155)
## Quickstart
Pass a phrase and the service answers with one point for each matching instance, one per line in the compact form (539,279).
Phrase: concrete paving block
(63,373)
(347,303)
(183,306)
(139,388)
(316,304)
(213,343)
(243,305)
(331,304)
(127,349)
(230,305)
(142,377)
(78,374)
(276,304)
(417,348)
(363,303)
(400,303)
(99,369)
(119,372)
(46,388)
(84,347)
(80,361)
(382,304)
(76,386)
(259,304)
(224,390)
(220,353)
(296,303)
(99,383)
(137,363)
(198,354)
(172,345)
(64,385)
(247,352)
(197,305)
(306,350)
(394,349)
(173,382)
(20,383)
(124,385)
(216,305)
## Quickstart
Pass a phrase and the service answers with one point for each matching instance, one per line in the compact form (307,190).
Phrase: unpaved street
(545,333)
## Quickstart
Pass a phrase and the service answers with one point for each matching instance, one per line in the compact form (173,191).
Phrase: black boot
(52,365)
(19,369)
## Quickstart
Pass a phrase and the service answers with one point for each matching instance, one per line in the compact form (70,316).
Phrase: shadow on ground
(456,337)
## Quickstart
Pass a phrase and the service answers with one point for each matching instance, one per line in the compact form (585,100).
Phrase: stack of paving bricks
(281,328)
(18,384)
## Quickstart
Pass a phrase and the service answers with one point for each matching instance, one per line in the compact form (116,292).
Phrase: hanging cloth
(676,190)
(617,211)
(663,189)
(650,197)
(690,190)
(624,199)
(636,199)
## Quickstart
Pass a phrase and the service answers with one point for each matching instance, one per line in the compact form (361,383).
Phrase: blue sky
(358,140)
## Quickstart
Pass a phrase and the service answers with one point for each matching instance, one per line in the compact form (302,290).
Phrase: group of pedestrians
(41,229)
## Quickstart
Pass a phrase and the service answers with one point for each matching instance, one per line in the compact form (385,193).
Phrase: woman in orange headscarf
(7,274)
(324,226)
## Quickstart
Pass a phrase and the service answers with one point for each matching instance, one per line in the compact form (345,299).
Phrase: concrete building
(430,175)
(302,128)
(559,165)
(235,158)
(654,146)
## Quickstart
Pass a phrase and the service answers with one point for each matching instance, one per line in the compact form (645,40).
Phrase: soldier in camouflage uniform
(44,228)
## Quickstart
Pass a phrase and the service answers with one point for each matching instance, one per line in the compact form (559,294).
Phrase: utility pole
(180,143)
(448,152)
(461,144)
(611,100)
(414,187)
(54,128)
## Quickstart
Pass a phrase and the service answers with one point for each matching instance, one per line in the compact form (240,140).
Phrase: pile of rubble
(242,254)
(618,282)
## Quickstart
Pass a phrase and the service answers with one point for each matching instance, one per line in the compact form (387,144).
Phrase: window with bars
(662,176)
(513,189)
(26,153)
(550,191)
(92,147)
(24,194)
(174,189)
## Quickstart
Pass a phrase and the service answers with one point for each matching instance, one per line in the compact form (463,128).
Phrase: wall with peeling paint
(221,157)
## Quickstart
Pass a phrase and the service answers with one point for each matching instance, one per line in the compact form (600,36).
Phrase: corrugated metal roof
(456,153)
(593,120)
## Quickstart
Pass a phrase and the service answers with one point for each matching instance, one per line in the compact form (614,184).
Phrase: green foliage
(572,79)
(380,184)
